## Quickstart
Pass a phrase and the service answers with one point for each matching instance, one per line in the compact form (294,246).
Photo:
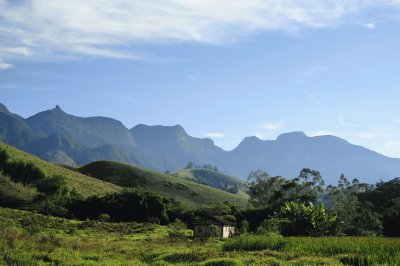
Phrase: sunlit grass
(32,239)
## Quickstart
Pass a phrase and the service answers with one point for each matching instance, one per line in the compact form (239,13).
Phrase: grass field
(32,239)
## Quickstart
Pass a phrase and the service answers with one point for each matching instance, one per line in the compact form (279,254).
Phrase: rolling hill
(191,193)
(87,186)
(210,178)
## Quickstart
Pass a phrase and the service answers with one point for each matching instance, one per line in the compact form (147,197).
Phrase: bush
(271,225)
(52,186)
(177,229)
(104,217)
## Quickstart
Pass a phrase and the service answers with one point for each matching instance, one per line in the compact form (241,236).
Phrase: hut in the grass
(214,228)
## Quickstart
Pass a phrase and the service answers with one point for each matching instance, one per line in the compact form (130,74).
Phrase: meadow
(27,238)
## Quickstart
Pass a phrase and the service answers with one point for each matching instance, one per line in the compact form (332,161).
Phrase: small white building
(221,229)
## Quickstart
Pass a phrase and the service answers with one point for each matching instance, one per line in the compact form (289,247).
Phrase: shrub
(104,217)
(52,186)
(306,219)
(177,229)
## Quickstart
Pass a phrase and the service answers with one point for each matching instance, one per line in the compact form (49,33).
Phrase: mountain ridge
(60,137)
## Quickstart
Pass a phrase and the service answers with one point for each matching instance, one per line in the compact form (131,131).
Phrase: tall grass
(348,250)
(254,242)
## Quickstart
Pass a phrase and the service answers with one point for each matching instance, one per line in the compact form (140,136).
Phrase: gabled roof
(214,221)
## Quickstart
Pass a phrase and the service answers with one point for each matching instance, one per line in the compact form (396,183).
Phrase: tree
(311,185)
(4,157)
(257,175)
(190,165)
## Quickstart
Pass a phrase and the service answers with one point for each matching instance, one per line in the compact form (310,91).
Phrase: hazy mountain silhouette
(57,136)
(14,130)
(91,131)
(171,148)
(291,152)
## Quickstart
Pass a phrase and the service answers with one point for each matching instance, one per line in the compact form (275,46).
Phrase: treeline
(304,206)
(192,165)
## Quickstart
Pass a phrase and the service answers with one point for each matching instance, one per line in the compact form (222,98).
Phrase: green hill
(210,178)
(17,195)
(185,191)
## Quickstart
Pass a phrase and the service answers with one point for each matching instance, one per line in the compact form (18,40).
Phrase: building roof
(214,221)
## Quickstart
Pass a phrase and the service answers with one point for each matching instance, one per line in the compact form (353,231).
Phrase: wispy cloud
(321,133)
(217,135)
(193,76)
(370,25)
(273,126)
(67,29)
(4,66)
(396,121)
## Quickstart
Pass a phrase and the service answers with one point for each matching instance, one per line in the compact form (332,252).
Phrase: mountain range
(59,137)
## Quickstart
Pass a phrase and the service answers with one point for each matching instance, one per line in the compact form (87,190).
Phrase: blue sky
(221,69)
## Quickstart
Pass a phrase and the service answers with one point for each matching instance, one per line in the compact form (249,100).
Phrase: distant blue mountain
(57,136)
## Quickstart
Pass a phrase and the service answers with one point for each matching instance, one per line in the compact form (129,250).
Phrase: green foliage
(270,225)
(54,186)
(225,211)
(131,205)
(353,217)
(244,227)
(104,217)
(212,231)
(273,191)
(254,243)
(177,229)
(306,219)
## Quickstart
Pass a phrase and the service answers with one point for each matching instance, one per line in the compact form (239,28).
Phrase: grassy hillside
(209,178)
(85,185)
(185,191)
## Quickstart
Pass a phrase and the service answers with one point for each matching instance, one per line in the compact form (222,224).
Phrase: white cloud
(4,66)
(273,126)
(370,25)
(215,135)
(321,133)
(392,144)
(63,29)
(396,121)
